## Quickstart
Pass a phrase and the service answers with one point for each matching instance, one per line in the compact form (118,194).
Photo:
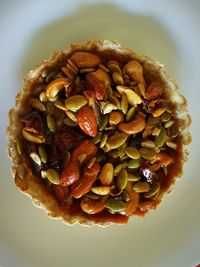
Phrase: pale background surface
(165,30)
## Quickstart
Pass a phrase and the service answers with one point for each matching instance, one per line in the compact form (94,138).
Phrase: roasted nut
(55,87)
(69,122)
(117,78)
(163,158)
(87,70)
(43,97)
(103,123)
(51,175)
(106,175)
(122,179)
(93,83)
(117,140)
(134,70)
(114,100)
(103,77)
(141,187)
(113,66)
(115,117)
(133,98)
(101,190)
(132,152)
(87,147)
(70,174)
(158,112)
(75,102)
(87,121)
(92,206)
(154,90)
(32,138)
(134,126)
(115,205)
(85,59)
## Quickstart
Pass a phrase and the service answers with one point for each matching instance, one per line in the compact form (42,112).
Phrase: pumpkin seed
(51,175)
(124,104)
(103,140)
(158,112)
(91,195)
(109,93)
(51,123)
(122,179)
(152,121)
(42,154)
(101,190)
(86,70)
(35,103)
(115,205)
(114,191)
(50,76)
(34,156)
(69,122)
(160,139)
(43,97)
(104,122)
(133,98)
(169,124)
(19,146)
(117,140)
(165,117)
(133,177)
(172,145)
(153,190)
(125,196)
(102,104)
(50,108)
(130,114)
(33,138)
(114,101)
(134,163)
(147,153)
(97,138)
(141,187)
(117,78)
(38,90)
(119,167)
(132,153)
(108,108)
(148,144)
(75,102)
(71,115)
(121,150)
(106,148)
(106,174)
(60,104)
(156,131)
(114,67)
(91,162)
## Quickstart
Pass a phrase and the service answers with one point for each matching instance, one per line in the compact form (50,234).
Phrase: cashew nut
(132,205)
(134,126)
(92,206)
(55,87)
(133,98)
(134,70)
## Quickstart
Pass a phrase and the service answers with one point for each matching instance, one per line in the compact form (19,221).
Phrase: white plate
(165,30)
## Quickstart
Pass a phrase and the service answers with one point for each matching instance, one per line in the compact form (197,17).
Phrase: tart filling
(98,134)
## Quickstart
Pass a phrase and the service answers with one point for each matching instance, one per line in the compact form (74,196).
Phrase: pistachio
(101,190)
(119,167)
(34,156)
(153,190)
(106,174)
(115,117)
(122,179)
(158,112)
(71,115)
(148,144)
(75,102)
(19,146)
(37,104)
(133,98)
(141,187)
(117,78)
(43,154)
(33,138)
(160,139)
(134,70)
(103,140)
(134,163)
(108,108)
(132,153)
(147,153)
(169,124)
(51,175)
(43,97)
(51,123)
(133,177)
(117,140)
(55,87)
(130,114)
(124,104)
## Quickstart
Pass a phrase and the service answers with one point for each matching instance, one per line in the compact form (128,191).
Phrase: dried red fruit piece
(87,121)
(154,90)
(93,83)
(87,147)
(70,174)
(106,217)
(34,123)
(83,185)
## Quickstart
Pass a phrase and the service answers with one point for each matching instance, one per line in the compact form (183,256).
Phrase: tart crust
(31,185)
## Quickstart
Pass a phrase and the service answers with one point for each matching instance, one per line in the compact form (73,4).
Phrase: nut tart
(98,134)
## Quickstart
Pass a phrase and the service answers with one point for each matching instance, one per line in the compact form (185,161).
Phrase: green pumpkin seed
(75,102)
(121,150)
(153,191)
(118,168)
(114,101)
(147,153)
(148,144)
(32,138)
(124,104)
(97,138)
(42,154)
(132,152)
(71,116)
(87,70)
(165,117)
(106,174)
(69,122)
(60,104)
(134,163)
(115,205)
(172,145)
(51,123)
(130,114)
(133,177)
(34,156)
(102,104)
(117,140)
(153,120)
(43,97)
(19,146)
(109,107)
(117,78)
(35,103)
(160,139)
(155,131)
(125,196)
(169,124)
(104,122)
(51,175)
(122,179)
(92,195)
(114,68)
(103,140)
(141,187)
(101,190)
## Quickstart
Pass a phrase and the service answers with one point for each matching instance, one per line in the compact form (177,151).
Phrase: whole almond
(85,59)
